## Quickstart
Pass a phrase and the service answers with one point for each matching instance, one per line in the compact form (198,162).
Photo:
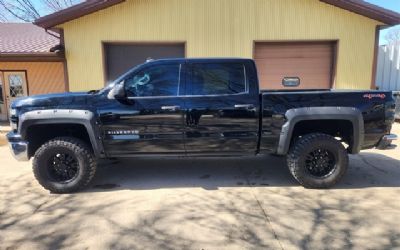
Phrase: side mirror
(291,81)
(117,92)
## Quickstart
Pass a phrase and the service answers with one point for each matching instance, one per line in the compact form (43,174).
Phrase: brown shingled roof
(357,6)
(21,38)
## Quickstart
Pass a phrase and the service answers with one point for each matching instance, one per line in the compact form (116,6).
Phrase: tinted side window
(218,78)
(157,80)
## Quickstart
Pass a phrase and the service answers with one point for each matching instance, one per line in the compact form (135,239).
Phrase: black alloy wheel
(63,167)
(320,163)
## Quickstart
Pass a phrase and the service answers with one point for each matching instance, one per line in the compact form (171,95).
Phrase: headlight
(14,126)
(13,112)
(13,119)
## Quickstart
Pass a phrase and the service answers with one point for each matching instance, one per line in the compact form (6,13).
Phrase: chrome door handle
(244,106)
(170,108)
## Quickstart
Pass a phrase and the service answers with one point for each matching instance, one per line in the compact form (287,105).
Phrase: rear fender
(294,116)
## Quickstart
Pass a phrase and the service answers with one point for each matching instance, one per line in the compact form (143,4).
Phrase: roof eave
(32,57)
(74,12)
(357,6)
(368,10)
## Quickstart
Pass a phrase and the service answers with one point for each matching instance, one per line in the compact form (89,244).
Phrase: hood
(51,100)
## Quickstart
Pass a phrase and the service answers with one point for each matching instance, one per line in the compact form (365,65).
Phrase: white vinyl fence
(388,71)
(397,114)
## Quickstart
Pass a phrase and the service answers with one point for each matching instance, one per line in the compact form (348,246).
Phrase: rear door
(221,107)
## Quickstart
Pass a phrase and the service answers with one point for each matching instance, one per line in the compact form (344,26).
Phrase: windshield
(118,80)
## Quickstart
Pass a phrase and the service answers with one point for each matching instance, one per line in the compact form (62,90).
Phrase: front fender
(64,116)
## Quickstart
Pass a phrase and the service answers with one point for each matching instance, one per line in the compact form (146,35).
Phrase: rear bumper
(386,140)
(18,147)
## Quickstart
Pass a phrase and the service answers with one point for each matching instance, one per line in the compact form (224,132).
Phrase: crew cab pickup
(197,107)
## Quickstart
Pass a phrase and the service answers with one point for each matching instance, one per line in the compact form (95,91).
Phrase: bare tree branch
(393,35)
(56,5)
(29,10)
(3,18)
(16,11)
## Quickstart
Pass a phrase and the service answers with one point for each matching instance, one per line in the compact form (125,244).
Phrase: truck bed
(371,105)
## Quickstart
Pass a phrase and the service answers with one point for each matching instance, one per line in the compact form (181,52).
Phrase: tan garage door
(312,62)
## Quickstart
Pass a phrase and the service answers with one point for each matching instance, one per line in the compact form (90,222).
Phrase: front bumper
(386,140)
(18,147)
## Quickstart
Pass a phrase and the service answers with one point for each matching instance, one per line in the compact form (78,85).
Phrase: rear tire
(64,165)
(317,161)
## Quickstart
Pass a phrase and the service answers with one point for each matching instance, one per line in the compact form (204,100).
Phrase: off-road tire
(296,160)
(84,156)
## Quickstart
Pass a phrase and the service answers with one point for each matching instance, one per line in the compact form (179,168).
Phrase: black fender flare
(64,116)
(293,116)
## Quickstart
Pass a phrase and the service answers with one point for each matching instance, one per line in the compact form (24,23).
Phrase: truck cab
(185,107)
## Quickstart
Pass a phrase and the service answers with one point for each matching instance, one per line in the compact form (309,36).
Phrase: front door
(151,120)
(15,86)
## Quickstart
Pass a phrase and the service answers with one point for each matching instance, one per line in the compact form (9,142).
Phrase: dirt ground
(240,203)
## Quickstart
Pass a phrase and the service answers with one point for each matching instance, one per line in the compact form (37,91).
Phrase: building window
(16,85)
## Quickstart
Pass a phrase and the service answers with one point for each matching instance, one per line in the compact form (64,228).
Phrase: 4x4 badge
(370,96)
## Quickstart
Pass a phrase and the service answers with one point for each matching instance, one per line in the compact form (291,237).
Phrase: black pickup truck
(197,107)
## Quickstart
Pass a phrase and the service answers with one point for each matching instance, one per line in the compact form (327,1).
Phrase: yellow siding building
(223,28)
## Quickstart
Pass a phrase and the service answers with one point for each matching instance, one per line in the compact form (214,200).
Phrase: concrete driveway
(241,203)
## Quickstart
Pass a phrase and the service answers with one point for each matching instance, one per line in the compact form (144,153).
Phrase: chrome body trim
(19,150)
(390,137)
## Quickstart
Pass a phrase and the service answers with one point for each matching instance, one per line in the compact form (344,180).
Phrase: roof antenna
(149,59)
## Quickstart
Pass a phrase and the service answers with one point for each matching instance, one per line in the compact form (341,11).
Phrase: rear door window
(218,79)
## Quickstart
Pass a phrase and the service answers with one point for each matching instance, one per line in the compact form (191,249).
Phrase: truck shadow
(366,170)
(31,218)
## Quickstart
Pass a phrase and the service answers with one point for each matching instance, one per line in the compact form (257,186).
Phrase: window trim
(247,87)
(186,72)
(185,96)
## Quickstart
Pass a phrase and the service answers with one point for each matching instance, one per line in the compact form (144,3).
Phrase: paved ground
(240,203)
(4,128)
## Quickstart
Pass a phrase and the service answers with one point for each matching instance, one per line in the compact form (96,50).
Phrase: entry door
(3,109)
(15,86)
(221,114)
(151,120)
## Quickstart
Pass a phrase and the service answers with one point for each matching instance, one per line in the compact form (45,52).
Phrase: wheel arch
(295,116)
(83,118)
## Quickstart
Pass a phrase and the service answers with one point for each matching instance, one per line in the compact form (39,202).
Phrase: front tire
(64,165)
(317,161)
